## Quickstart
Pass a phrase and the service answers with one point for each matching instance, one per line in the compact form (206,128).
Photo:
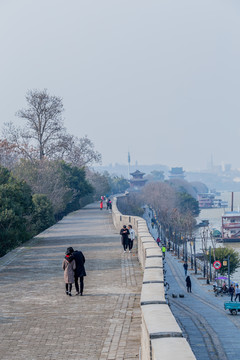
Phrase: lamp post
(191,246)
(210,260)
(226,262)
(228,271)
(194,251)
(183,247)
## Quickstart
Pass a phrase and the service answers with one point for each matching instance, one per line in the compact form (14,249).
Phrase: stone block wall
(162,338)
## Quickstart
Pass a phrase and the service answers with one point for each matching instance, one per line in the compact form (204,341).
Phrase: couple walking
(73,266)
(128,236)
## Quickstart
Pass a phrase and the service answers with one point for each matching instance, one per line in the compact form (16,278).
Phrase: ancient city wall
(161,337)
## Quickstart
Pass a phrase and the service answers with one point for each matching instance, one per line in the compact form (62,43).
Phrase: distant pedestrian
(188,284)
(224,286)
(110,204)
(124,232)
(101,205)
(79,271)
(163,251)
(69,265)
(131,237)
(231,291)
(185,266)
(237,293)
(168,246)
(158,241)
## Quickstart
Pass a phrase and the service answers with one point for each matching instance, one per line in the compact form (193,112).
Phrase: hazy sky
(160,78)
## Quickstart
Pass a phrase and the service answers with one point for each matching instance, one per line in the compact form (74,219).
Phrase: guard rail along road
(161,336)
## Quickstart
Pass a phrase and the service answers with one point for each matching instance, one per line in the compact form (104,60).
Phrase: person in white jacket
(131,237)
(237,293)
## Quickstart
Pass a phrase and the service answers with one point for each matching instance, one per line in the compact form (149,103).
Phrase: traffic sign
(217,265)
(225,263)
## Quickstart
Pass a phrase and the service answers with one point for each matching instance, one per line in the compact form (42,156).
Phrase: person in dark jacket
(185,266)
(189,284)
(231,291)
(79,271)
(124,233)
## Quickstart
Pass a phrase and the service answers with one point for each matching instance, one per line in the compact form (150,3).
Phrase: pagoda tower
(137,182)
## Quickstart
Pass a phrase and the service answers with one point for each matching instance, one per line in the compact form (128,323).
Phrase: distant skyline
(157,78)
(209,166)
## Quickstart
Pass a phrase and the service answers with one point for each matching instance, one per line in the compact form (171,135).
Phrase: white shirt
(132,234)
(237,290)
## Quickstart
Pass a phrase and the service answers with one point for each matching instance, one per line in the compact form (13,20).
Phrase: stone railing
(161,336)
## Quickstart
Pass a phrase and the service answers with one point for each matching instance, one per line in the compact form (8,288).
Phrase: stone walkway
(37,319)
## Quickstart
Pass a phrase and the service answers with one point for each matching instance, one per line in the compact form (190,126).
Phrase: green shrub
(42,215)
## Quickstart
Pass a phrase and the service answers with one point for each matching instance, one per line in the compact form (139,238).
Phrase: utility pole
(228,271)
(194,250)
(210,260)
(129,160)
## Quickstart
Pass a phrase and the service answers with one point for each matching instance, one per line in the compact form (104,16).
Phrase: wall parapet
(161,336)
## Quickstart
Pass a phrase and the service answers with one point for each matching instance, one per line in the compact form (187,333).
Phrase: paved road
(213,333)
(37,319)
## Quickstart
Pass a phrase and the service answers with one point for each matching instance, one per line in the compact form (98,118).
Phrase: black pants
(81,284)
(237,296)
(130,244)
(125,244)
(189,288)
(68,288)
(231,294)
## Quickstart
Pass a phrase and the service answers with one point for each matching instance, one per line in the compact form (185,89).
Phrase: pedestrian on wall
(188,284)
(131,237)
(69,265)
(79,271)
(124,232)
(185,266)
(231,291)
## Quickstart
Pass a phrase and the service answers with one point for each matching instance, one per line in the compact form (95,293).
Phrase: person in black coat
(231,291)
(189,284)
(124,232)
(185,266)
(80,270)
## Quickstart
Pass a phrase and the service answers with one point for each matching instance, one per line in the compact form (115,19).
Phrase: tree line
(176,210)
(45,172)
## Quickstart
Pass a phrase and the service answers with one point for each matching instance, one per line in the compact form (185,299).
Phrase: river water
(215,221)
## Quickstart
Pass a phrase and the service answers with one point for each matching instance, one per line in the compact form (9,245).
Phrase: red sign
(217,265)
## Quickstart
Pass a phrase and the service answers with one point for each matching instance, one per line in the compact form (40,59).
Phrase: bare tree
(44,125)
(8,155)
(44,135)
(81,152)
(162,198)
(99,182)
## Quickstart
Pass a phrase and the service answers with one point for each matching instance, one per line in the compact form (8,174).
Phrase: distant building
(177,173)
(206,201)
(137,182)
